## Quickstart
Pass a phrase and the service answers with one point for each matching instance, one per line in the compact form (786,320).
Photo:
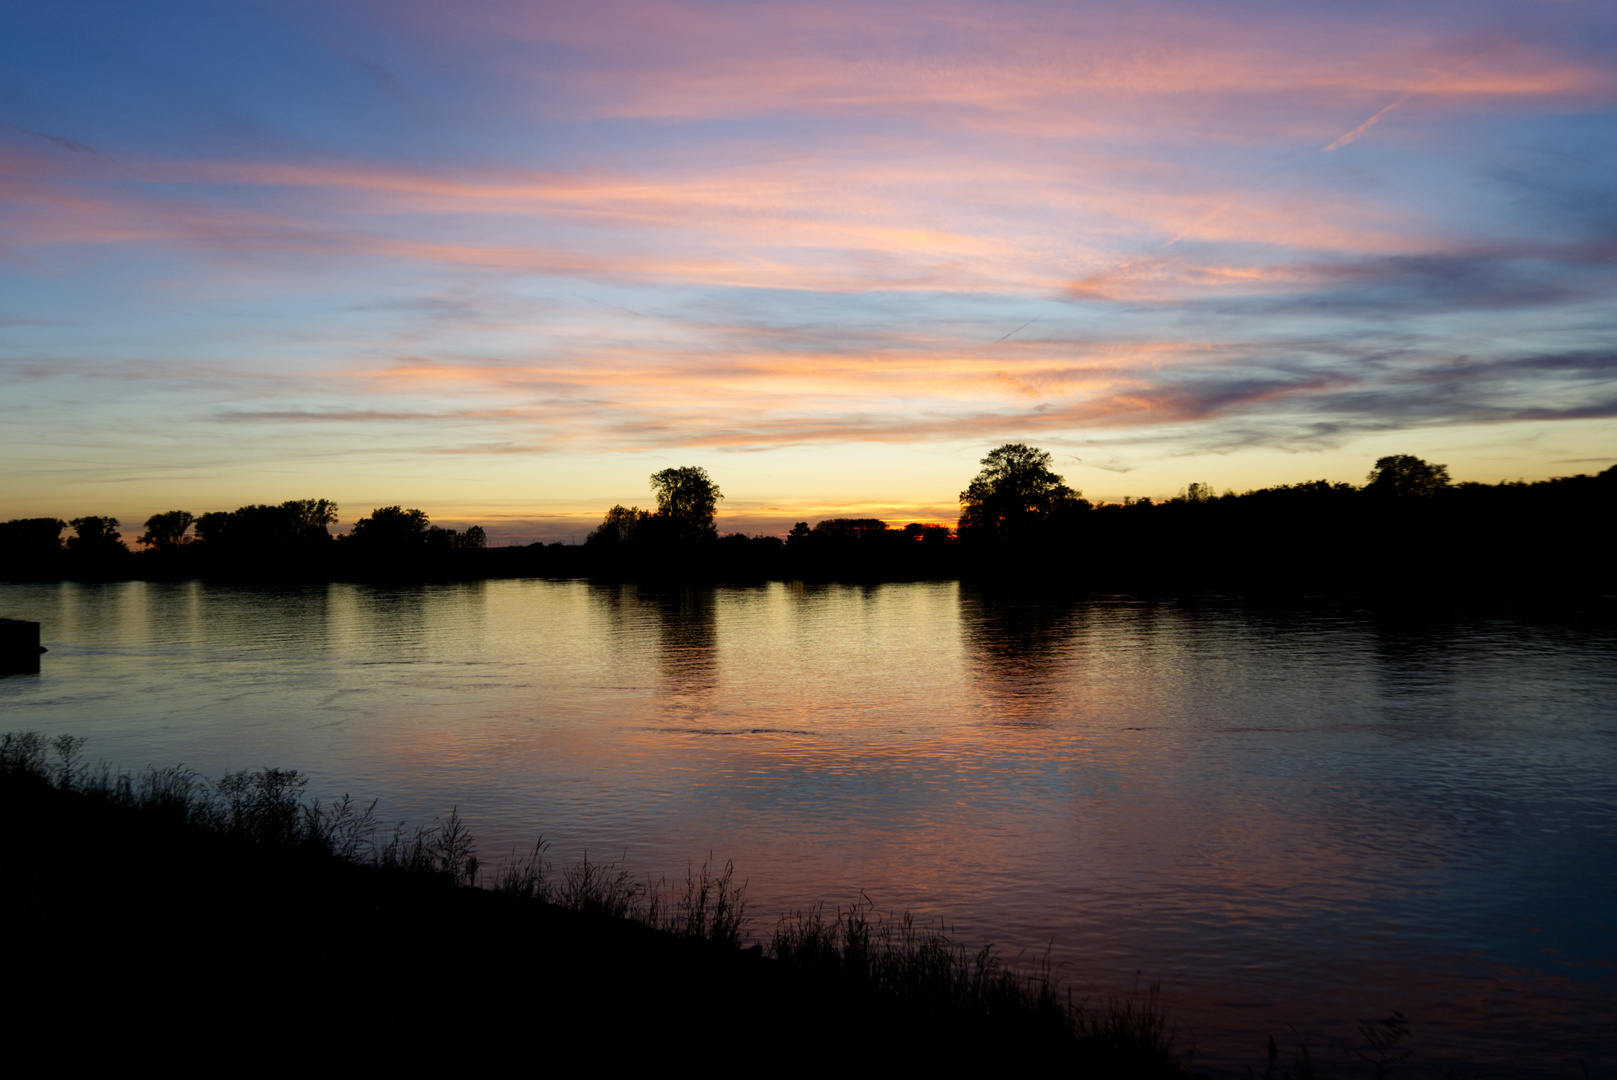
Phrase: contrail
(1343,140)
(1430,84)
(1198,223)
(1024,326)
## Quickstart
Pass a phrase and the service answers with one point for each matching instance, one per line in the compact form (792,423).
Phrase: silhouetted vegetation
(1404,476)
(687,499)
(1016,500)
(291,541)
(237,906)
(1408,529)
(677,537)
(164,907)
(32,547)
(857,951)
(166,531)
(674,542)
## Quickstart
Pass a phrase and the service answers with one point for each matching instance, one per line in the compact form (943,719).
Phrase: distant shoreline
(1456,576)
(1429,537)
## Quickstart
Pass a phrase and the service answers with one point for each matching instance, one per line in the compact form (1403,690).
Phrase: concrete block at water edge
(19,646)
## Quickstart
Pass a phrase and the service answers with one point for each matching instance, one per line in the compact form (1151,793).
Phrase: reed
(266,808)
(927,972)
(879,965)
(891,977)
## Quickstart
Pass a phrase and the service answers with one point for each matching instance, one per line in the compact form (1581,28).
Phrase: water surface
(1301,816)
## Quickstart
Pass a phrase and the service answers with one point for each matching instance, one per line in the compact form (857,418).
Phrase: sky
(502,261)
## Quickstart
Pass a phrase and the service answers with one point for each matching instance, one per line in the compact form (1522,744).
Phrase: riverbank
(165,913)
(1315,538)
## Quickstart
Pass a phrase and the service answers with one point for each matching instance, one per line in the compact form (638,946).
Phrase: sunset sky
(502,261)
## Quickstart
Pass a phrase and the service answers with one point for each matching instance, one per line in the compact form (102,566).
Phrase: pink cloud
(1017,67)
(830,226)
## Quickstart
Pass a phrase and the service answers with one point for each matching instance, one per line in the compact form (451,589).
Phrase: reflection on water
(1019,647)
(1288,815)
(687,639)
(682,624)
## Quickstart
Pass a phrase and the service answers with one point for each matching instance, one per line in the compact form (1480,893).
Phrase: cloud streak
(1375,118)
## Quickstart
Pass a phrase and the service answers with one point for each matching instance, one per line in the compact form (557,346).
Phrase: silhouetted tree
(1014,496)
(930,534)
(31,538)
(620,526)
(473,539)
(95,535)
(799,534)
(1404,476)
(213,527)
(687,499)
(261,530)
(847,529)
(166,530)
(31,547)
(308,518)
(392,529)
(1196,494)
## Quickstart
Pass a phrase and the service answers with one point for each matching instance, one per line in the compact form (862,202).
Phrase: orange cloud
(903,228)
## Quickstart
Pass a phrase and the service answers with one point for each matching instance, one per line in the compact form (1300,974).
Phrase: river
(1290,816)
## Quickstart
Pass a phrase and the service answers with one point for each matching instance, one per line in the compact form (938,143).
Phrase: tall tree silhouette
(1014,496)
(392,529)
(95,536)
(1405,476)
(166,530)
(687,499)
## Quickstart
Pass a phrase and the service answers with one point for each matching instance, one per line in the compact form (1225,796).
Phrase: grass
(266,808)
(247,886)
(888,987)
(929,974)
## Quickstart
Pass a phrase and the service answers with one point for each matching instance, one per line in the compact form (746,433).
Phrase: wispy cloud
(482,232)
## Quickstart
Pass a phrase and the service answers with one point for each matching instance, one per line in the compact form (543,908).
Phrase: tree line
(287,540)
(1408,527)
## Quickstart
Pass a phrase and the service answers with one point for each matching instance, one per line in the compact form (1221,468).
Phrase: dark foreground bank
(161,915)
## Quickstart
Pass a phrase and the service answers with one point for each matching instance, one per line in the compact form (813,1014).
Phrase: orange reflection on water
(1301,816)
